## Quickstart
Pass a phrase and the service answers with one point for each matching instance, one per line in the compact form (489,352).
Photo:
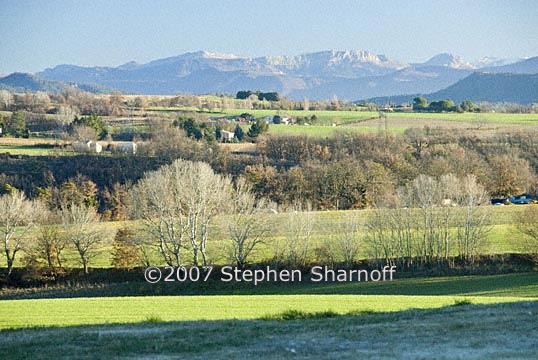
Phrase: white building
(127,147)
(87,147)
(227,136)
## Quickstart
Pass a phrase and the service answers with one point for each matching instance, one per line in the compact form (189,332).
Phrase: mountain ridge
(477,87)
(321,75)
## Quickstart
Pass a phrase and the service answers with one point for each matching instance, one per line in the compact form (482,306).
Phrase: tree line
(420,103)
(345,171)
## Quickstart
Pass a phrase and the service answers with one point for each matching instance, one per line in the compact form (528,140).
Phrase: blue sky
(39,34)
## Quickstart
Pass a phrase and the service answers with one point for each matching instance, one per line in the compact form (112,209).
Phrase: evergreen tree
(125,253)
(17,126)
(258,128)
(239,133)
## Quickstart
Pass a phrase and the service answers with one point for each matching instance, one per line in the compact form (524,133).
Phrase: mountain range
(352,75)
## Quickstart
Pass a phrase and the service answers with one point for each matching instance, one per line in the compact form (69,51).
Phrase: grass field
(482,124)
(328,117)
(110,310)
(503,236)
(326,131)
(500,331)
(483,317)
(489,118)
(270,299)
(31,150)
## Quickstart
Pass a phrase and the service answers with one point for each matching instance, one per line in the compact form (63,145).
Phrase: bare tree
(66,114)
(527,222)
(473,226)
(83,133)
(16,215)
(178,203)
(205,195)
(349,242)
(247,224)
(300,229)
(433,220)
(394,235)
(157,201)
(423,192)
(80,225)
(48,243)
(6,99)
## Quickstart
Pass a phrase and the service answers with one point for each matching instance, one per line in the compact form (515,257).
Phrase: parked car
(520,199)
(499,201)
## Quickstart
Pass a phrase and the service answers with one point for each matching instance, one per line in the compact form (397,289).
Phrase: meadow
(503,236)
(268,299)
(468,321)
(328,124)
(480,124)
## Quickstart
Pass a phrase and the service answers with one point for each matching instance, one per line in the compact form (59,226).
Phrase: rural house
(87,146)
(127,148)
(226,136)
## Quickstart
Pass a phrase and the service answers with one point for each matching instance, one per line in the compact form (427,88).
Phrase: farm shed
(87,146)
(226,136)
(127,147)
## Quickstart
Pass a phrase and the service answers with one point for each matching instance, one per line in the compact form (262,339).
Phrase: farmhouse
(87,146)
(226,136)
(127,148)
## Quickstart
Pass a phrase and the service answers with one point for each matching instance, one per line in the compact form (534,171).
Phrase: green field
(482,124)
(503,236)
(496,331)
(340,298)
(67,312)
(456,316)
(326,131)
(490,118)
(31,150)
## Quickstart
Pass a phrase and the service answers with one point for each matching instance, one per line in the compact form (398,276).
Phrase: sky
(35,35)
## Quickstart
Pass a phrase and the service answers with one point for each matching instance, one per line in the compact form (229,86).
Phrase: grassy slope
(489,118)
(503,237)
(341,298)
(397,123)
(499,331)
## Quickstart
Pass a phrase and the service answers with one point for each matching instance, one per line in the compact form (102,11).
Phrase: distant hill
(349,74)
(528,66)
(447,60)
(517,88)
(23,82)
(27,82)
(491,87)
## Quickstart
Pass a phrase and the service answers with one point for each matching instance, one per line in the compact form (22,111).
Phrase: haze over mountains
(352,75)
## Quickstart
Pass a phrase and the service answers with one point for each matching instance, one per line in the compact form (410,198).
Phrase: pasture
(478,124)
(472,319)
(503,236)
(493,331)
(117,310)
(328,122)
(269,300)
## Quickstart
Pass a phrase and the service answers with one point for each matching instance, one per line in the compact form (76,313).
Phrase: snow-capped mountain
(447,60)
(349,74)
